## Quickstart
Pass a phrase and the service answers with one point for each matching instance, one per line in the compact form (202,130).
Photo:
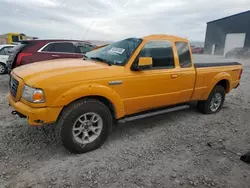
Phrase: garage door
(234,40)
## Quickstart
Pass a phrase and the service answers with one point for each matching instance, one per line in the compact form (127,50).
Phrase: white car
(4,55)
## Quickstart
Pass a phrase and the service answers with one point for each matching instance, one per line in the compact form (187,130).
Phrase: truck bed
(207,70)
(201,61)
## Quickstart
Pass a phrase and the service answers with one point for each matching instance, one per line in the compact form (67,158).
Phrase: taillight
(21,56)
(241,71)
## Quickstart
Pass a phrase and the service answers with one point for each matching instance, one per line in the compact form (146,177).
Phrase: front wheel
(84,125)
(3,68)
(214,102)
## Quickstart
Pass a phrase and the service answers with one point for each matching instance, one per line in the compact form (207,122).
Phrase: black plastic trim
(202,65)
(18,113)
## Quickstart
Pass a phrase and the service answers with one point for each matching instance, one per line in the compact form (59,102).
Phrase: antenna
(88,29)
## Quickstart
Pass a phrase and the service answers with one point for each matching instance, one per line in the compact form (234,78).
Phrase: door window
(15,38)
(184,54)
(60,47)
(161,53)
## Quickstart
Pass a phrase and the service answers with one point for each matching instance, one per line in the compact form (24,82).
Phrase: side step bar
(150,114)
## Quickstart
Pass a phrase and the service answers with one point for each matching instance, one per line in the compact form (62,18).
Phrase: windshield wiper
(100,59)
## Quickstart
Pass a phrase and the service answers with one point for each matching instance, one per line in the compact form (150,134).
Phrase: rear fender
(216,80)
(92,90)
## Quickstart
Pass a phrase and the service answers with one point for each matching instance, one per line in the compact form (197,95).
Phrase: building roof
(229,16)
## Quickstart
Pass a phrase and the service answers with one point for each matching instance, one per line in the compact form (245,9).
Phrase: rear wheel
(214,102)
(3,68)
(84,125)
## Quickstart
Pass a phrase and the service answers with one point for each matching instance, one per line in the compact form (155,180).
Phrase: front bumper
(36,116)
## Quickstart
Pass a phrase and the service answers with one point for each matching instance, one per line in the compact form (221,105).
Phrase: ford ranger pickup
(125,79)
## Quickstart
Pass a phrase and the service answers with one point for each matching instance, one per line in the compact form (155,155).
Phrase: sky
(112,20)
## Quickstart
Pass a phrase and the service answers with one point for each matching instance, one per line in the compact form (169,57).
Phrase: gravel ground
(180,149)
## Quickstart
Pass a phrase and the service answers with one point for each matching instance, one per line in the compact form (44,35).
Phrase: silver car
(4,55)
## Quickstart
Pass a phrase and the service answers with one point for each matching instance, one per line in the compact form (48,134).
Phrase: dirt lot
(170,150)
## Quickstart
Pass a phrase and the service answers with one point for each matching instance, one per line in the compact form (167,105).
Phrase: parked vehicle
(240,53)
(10,38)
(115,83)
(197,50)
(4,55)
(31,51)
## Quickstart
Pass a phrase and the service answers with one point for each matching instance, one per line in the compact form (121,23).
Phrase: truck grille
(13,86)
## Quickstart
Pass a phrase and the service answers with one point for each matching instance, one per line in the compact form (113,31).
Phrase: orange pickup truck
(121,81)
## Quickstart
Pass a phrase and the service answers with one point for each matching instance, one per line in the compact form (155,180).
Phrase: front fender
(92,90)
(218,78)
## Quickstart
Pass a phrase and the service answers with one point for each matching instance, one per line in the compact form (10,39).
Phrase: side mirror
(144,63)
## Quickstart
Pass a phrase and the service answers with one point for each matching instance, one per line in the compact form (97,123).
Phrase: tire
(206,106)
(78,113)
(3,69)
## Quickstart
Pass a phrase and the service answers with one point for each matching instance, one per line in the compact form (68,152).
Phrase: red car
(197,50)
(31,51)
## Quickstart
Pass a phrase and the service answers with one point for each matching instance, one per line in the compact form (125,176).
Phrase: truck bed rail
(202,65)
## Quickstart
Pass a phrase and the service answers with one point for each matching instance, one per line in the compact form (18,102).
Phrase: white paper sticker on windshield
(117,50)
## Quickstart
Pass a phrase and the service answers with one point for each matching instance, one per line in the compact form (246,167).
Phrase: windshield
(116,53)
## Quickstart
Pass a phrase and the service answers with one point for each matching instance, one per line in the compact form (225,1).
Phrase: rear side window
(60,47)
(5,50)
(2,51)
(47,48)
(161,53)
(184,54)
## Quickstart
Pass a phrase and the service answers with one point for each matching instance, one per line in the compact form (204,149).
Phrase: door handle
(56,56)
(173,76)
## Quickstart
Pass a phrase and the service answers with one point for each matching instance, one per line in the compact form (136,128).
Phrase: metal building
(227,33)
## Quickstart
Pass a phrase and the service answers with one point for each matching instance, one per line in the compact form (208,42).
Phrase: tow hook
(14,112)
(18,113)
(39,121)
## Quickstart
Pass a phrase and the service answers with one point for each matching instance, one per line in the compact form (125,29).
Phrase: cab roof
(164,36)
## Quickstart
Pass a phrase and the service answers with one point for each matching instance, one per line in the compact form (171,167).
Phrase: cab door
(154,87)
(56,50)
(186,71)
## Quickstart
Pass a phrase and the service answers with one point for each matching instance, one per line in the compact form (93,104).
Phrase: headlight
(33,95)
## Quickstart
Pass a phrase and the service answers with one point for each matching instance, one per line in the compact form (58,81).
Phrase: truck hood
(59,71)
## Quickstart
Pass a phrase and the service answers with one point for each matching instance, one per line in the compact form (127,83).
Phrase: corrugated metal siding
(217,31)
